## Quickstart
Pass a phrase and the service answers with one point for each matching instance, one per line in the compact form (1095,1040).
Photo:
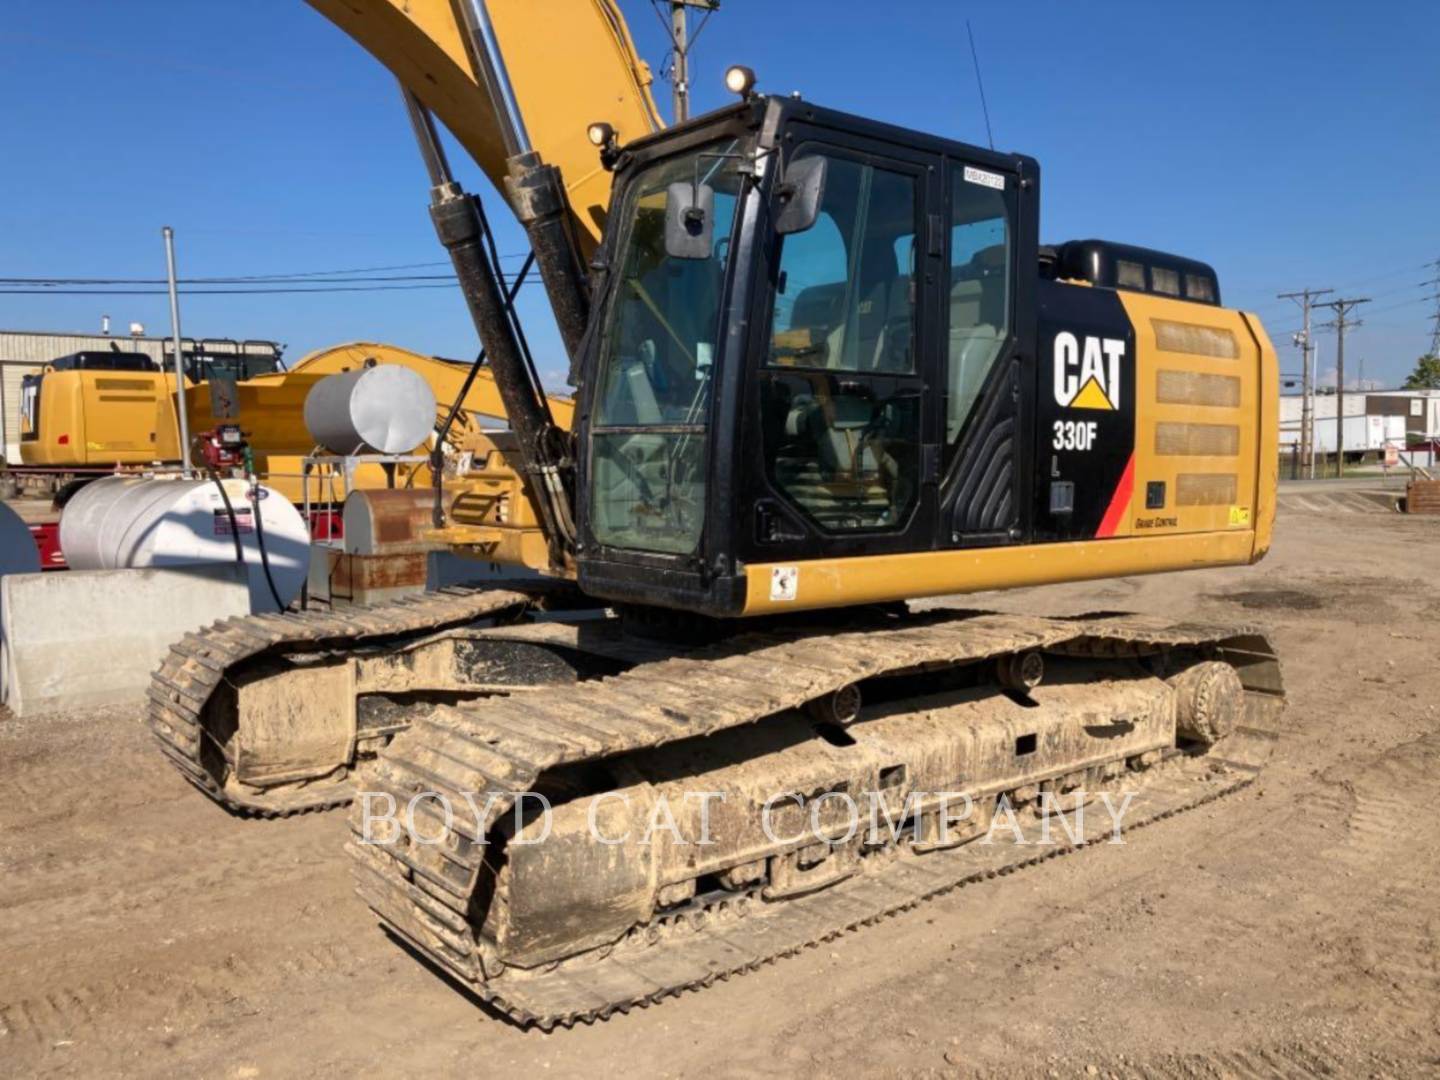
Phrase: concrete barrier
(87,638)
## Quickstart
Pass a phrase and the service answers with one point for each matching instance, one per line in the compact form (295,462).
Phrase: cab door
(843,438)
(987,310)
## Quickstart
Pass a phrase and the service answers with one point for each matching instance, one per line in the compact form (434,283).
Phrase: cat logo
(1087,377)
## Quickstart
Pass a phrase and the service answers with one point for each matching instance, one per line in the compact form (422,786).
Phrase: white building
(1374,420)
(1419,408)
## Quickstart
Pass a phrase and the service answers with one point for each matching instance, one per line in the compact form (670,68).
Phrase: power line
(1402,304)
(47,283)
(358,274)
(337,273)
(276,290)
(1408,268)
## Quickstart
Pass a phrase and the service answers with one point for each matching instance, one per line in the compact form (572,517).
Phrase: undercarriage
(566,854)
(570,819)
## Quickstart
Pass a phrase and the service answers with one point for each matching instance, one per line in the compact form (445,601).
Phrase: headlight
(740,79)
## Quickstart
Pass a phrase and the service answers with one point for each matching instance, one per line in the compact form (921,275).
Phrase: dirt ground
(1288,930)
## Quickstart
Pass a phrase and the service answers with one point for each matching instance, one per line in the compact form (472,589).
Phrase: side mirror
(800,192)
(689,220)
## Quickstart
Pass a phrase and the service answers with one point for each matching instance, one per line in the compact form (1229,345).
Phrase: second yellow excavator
(824,366)
(88,420)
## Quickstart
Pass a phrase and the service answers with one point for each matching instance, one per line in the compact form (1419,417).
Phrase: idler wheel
(1209,700)
(1021,672)
(840,706)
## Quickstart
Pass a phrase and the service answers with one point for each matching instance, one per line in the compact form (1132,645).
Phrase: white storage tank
(384,409)
(131,522)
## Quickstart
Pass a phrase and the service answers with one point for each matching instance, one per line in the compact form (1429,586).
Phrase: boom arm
(511,88)
(571,63)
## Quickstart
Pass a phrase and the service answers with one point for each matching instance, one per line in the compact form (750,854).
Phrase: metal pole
(1308,401)
(1312,356)
(681,73)
(180,408)
(1340,401)
(1308,408)
(1435,333)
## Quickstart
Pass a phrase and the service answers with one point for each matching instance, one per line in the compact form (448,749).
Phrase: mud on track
(1286,931)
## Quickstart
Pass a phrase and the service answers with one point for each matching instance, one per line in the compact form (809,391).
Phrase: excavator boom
(581,70)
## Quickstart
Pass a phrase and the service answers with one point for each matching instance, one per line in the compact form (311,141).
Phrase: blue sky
(1289,144)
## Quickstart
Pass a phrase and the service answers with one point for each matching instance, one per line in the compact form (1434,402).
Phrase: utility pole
(680,45)
(1435,317)
(1342,309)
(1307,380)
(680,72)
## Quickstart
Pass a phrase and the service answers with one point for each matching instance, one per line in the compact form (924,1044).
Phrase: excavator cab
(801,317)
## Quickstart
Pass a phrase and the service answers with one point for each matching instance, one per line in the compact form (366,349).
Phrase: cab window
(649,433)
(840,395)
(979,308)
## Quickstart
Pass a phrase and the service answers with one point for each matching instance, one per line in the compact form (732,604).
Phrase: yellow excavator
(823,366)
(270,409)
(88,420)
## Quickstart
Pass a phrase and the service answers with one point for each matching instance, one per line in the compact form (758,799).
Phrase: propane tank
(383,409)
(133,522)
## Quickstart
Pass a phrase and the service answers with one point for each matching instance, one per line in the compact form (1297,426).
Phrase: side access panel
(1201,411)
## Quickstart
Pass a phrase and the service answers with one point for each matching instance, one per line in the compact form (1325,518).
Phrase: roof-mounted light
(603,136)
(740,79)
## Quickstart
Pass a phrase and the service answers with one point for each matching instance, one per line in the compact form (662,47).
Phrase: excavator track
(432,895)
(183,689)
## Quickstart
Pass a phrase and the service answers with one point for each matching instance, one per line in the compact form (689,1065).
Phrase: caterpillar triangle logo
(1091,397)
(1088,376)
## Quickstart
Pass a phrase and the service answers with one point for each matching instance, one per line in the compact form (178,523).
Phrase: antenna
(975,59)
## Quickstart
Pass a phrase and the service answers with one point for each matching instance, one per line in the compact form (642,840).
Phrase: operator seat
(977,315)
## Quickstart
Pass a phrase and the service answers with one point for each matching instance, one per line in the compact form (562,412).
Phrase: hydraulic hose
(260,542)
(235,527)
(229,509)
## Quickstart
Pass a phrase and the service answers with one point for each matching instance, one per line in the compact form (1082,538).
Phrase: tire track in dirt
(1397,939)
(78,1011)
(129,901)
(1288,1060)
(161,867)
